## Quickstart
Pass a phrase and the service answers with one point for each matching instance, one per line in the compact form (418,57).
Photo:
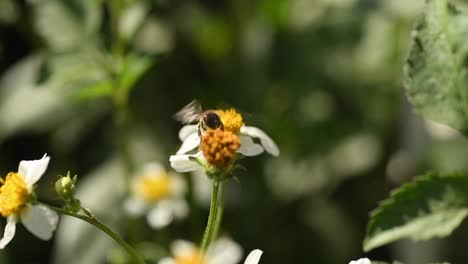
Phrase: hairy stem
(219,211)
(211,217)
(95,222)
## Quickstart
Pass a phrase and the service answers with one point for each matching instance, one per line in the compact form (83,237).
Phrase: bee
(193,112)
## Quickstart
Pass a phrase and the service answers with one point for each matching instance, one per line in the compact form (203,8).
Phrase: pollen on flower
(152,187)
(231,120)
(219,147)
(193,257)
(13,194)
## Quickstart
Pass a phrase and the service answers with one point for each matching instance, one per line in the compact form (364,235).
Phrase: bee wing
(189,113)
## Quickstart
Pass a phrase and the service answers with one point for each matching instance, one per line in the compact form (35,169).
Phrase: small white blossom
(17,187)
(159,195)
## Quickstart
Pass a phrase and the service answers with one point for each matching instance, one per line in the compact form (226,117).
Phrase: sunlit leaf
(436,73)
(65,25)
(24,105)
(94,90)
(431,206)
(75,69)
(132,18)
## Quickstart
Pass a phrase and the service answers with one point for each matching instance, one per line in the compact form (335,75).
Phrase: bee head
(212,120)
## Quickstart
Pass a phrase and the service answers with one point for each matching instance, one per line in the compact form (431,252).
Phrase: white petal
(182,163)
(134,206)
(191,142)
(32,170)
(183,248)
(248,147)
(187,130)
(361,261)
(161,215)
(178,185)
(266,141)
(167,261)
(151,168)
(253,257)
(224,251)
(39,220)
(9,231)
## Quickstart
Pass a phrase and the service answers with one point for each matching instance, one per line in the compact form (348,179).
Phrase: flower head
(65,187)
(13,194)
(159,194)
(219,147)
(231,120)
(211,151)
(16,193)
(223,250)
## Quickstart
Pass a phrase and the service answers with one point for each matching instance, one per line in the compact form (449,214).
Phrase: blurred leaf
(75,69)
(132,19)
(94,90)
(134,68)
(431,206)
(276,11)
(24,105)
(436,71)
(8,11)
(65,25)
(154,37)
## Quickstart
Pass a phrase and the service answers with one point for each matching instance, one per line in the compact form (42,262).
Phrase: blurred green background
(321,77)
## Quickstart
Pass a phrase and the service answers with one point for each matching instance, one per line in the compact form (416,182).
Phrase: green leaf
(75,69)
(93,91)
(431,206)
(435,73)
(134,68)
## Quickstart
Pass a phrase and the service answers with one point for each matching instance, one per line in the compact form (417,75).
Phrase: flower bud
(65,187)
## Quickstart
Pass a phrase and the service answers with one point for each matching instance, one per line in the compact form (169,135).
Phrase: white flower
(232,121)
(361,261)
(221,251)
(14,194)
(159,194)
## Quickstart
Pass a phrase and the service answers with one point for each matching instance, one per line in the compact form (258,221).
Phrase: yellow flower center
(194,257)
(13,194)
(219,147)
(231,120)
(153,188)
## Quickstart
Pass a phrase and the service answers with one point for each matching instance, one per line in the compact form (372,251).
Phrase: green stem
(120,95)
(115,9)
(211,217)
(220,211)
(122,121)
(93,221)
